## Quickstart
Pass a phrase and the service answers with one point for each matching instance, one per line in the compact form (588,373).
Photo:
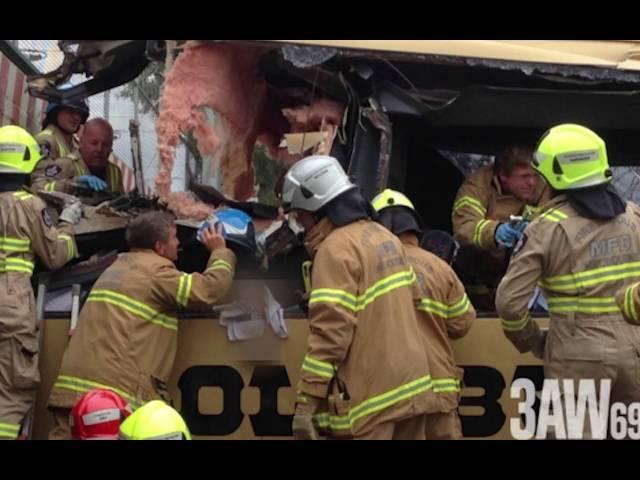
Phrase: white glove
(72,213)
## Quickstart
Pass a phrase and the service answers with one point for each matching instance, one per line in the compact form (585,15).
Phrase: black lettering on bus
(493,418)
(231,383)
(268,422)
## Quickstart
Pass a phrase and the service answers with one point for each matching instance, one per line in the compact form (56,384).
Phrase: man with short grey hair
(127,334)
(90,166)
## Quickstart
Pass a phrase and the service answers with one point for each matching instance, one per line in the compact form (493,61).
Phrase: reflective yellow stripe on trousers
(374,404)
(82,385)
(9,430)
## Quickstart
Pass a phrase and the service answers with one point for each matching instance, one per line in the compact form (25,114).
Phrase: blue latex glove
(521,225)
(93,182)
(506,236)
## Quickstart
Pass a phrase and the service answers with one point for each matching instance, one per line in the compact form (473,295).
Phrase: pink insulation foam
(224,78)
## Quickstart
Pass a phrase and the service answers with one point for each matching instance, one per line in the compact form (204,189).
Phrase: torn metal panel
(562,73)
(619,54)
(381,121)
(110,63)
(8,48)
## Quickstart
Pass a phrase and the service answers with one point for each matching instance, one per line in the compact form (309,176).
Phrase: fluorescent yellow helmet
(19,151)
(154,421)
(391,198)
(397,220)
(570,157)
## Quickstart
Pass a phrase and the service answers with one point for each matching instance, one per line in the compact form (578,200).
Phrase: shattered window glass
(44,55)
(467,163)
(627,182)
(625,179)
(305,57)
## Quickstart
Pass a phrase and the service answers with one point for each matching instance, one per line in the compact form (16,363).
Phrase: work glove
(506,235)
(302,425)
(211,221)
(71,213)
(539,345)
(94,183)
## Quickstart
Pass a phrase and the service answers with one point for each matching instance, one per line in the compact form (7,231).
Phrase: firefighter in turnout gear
(481,220)
(26,232)
(61,123)
(443,311)
(581,250)
(361,316)
(132,306)
(87,169)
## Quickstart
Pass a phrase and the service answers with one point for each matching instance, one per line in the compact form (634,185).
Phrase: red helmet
(98,415)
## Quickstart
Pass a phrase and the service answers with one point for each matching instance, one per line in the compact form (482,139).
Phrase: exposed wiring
(399,72)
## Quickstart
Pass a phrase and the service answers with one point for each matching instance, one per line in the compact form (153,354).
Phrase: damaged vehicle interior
(411,121)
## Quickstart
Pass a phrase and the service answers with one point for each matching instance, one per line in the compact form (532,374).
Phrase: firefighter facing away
(581,250)
(26,232)
(132,306)
(443,309)
(365,374)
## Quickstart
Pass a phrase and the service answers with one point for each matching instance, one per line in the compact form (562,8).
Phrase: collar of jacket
(556,201)
(61,135)
(495,180)
(13,183)
(410,240)
(597,203)
(151,252)
(317,234)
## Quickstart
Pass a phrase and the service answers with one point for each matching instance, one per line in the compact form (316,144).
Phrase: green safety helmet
(570,157)
(19,151)
(154,421)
